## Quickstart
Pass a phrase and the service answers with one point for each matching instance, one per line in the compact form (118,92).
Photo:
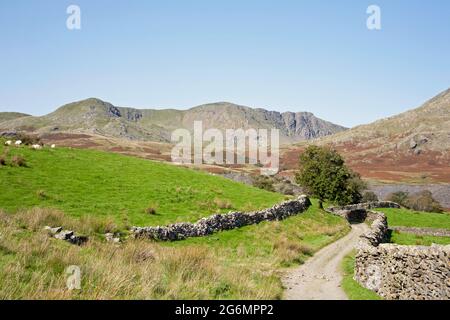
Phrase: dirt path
(320,277)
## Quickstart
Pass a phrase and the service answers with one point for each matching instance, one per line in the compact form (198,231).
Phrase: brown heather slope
(413,146)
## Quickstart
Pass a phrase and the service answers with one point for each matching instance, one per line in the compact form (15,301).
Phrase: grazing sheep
(53,146)
(8,143)
(36,146)
(18,142)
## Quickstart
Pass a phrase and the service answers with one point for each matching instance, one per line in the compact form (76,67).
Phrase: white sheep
(53,146)
(36,146)
(8,143)
(18,142)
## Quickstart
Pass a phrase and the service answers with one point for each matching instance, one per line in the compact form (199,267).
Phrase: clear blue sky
(297,55)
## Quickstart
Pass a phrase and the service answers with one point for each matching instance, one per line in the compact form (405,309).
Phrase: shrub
(28,139)
(223,204)
(151,210)
(286,189)
(290,251)
(399,197)
(18,161)
(4,156)
(369,196)
(420,201)
(423,201)
(41,194)
(263,182)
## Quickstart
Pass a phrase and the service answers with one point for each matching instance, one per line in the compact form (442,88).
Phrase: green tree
(322,171)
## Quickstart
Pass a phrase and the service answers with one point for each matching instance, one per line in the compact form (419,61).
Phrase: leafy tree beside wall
(322,171)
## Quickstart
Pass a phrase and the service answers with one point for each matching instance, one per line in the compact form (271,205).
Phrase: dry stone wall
(378,233)
(405,272)
(423,231)
(396,272)
(357,213)
(221,222)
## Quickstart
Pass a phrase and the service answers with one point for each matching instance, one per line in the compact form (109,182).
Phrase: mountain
(99,117)
(412,146)
(426,128)
(6,116)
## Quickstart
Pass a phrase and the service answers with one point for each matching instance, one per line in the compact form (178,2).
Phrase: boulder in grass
(53,231)
(64,235)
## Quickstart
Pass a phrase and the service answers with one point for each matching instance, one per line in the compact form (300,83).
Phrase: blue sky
(313,56)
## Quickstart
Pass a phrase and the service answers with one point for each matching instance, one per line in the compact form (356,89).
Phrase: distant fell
(424,128)
(99,117)
(6,116)
(413,146)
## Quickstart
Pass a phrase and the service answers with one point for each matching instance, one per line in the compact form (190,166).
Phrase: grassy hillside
(6,116)
(86,183)
(238,264)
(95,192)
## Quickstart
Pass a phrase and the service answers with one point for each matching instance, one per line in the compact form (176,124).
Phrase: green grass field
(92,183)
(404,238)
(408,218)
(68,187)
(295,239)
(239,264)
